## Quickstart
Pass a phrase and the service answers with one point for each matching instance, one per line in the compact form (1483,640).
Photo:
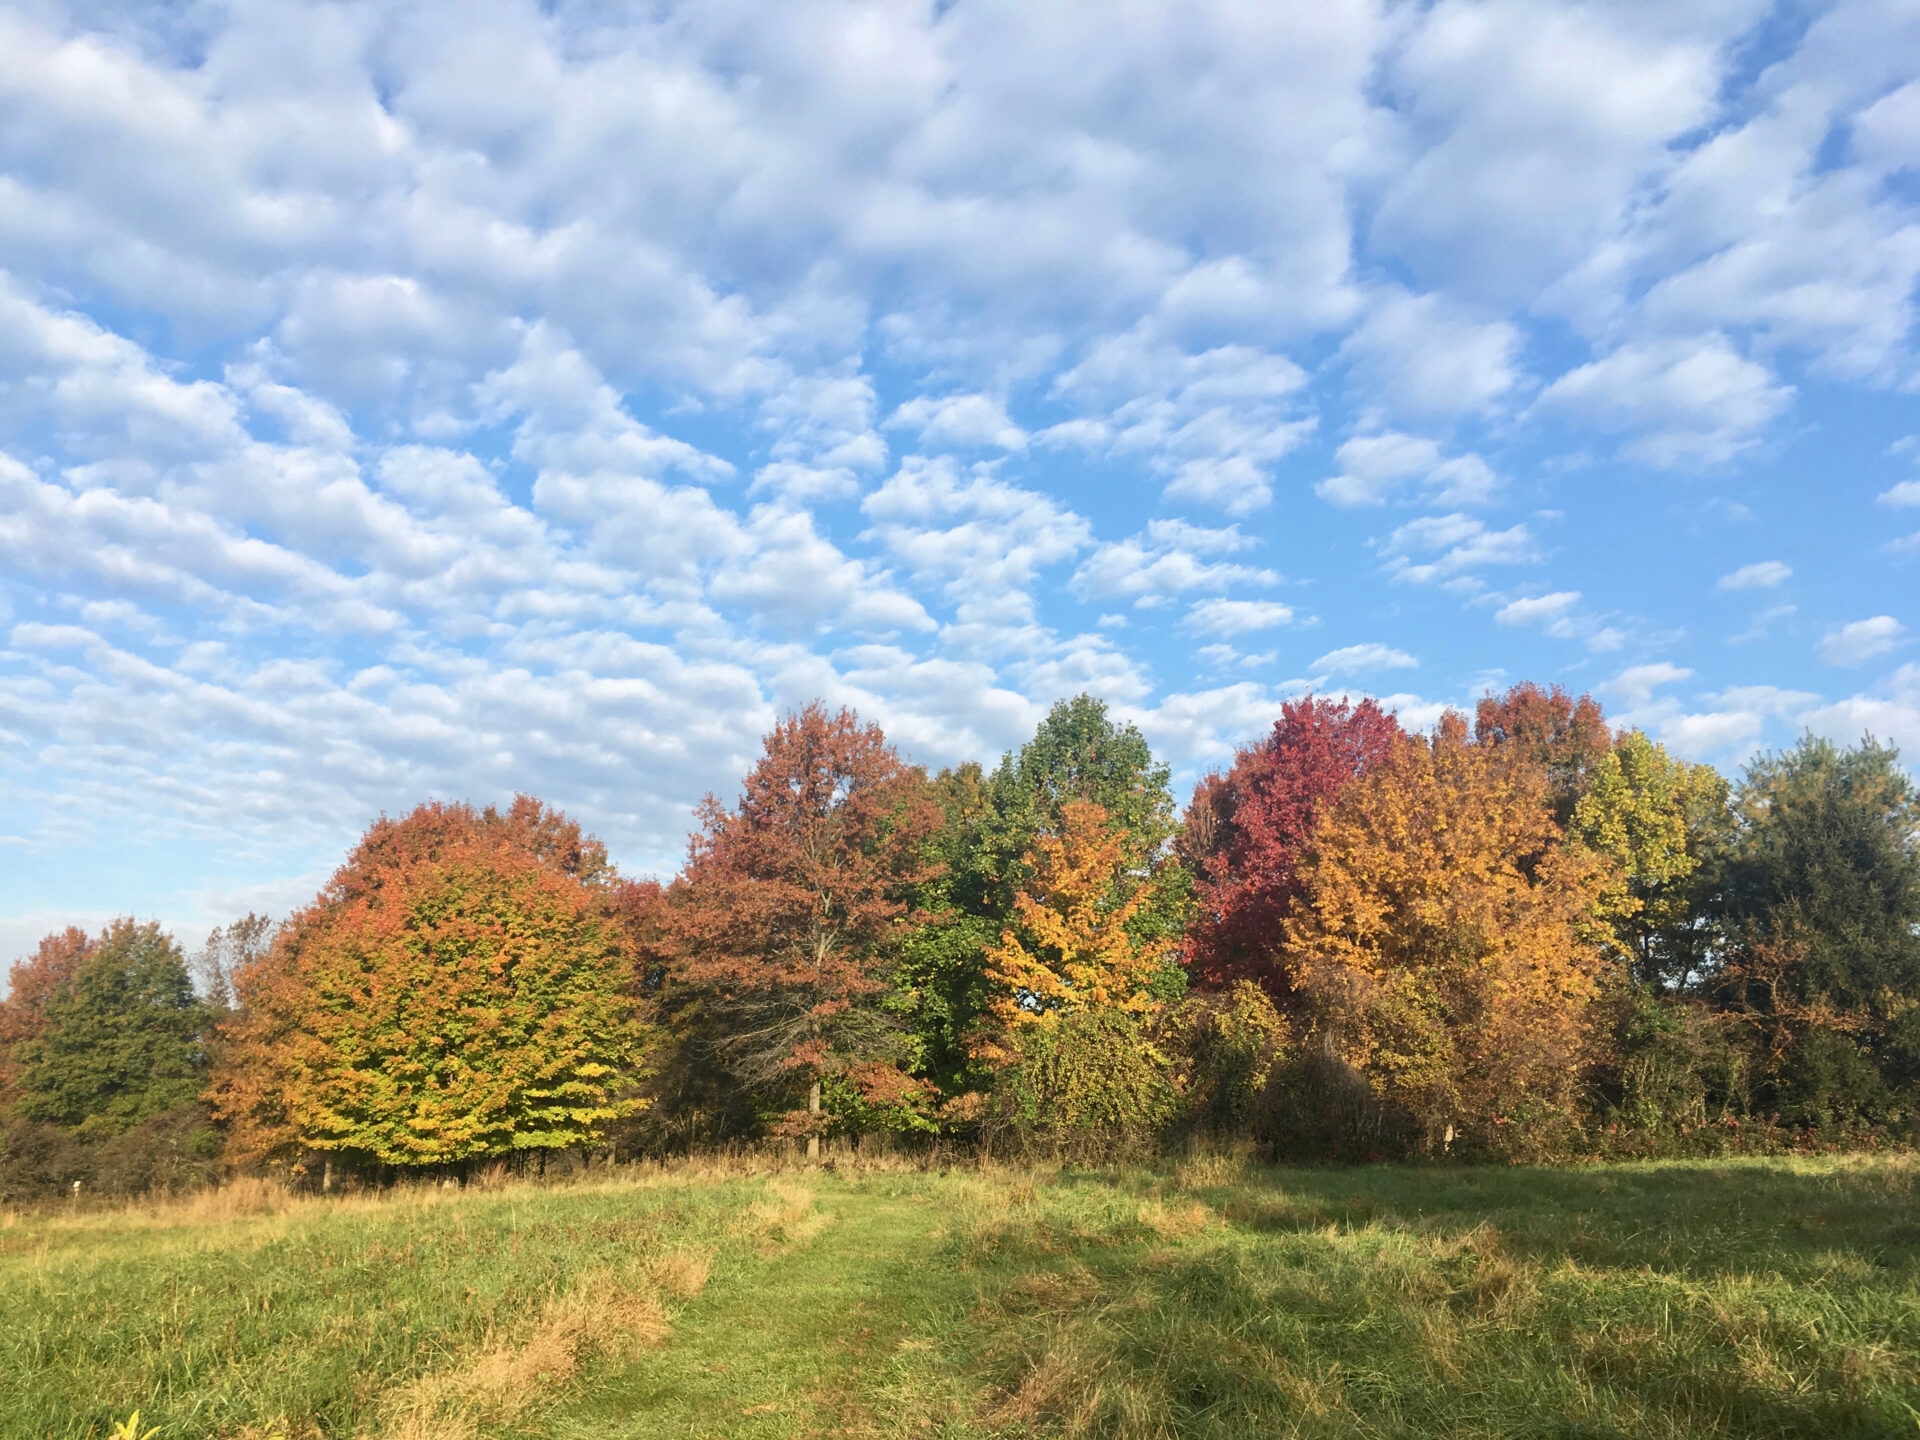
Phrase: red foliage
(1248,831)
(790,912)
(31,984)
(1566,735)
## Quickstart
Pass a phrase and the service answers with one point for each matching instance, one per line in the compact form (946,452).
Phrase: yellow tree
(1069,949)
(1656,818)
(1445,939)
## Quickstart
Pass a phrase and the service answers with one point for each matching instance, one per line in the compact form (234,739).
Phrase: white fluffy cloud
(1538,609)
(1449,547)
(1363,660)
(457,399)
(1236,617)
(1859,641)
(1761,575)
(1373,467)
(1692,401)
(1167,559)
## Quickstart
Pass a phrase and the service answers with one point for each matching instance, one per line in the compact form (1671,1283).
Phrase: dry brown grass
(1174,1222)
(1213,1167)
(681,1274)
(600,1316)
(786,1216)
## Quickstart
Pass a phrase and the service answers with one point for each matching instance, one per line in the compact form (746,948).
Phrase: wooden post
(326,1176)
(813,1108)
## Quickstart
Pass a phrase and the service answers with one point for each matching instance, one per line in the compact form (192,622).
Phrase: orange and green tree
(1445,939)
(31,984)
(788,923)
(462,988)
(1071,946)
(119,1040)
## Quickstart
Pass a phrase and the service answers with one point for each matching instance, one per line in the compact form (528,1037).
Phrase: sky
(449,400)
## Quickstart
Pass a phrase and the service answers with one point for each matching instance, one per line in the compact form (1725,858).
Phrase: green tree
(1079,753)
(122,1040)
(1661,821)
(942,981)
(1821,901)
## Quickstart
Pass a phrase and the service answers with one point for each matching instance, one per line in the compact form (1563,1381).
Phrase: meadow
(1209,1298)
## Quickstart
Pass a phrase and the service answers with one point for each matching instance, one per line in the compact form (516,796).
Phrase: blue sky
(448,400)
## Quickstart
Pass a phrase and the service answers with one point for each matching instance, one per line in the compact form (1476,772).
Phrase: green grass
(1738,1298)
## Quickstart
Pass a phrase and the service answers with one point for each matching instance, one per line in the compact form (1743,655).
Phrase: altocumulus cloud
(452,401)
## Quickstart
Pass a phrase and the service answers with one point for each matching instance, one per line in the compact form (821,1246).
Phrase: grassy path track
(799,1341)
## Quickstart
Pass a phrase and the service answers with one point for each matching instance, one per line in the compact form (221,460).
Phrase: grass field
(1750,1298)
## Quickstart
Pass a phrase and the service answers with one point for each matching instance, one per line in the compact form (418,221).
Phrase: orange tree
(462,988)
(1444,943)
(1070,948)
(789,920)
(1567,735)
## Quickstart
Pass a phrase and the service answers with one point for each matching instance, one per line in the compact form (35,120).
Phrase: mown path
(808,1338)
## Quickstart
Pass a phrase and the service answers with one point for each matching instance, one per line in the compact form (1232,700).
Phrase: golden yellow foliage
(1446,941)
(1069,949)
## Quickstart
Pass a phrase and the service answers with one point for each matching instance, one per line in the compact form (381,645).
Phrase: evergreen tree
(1821,901)
(122,1039)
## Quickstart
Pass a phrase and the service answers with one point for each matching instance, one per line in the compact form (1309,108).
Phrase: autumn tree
(31,984)
(463,987)
(1079,753)
(790,917)
(1248,831)
(1069,947)
(1661,821)
(119,1038)
(1565,734)
(1441,937)
(992,821)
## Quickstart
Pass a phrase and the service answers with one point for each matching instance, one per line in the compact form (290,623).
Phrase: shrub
(1086,1084)
(1317,1106)
(1225,1046)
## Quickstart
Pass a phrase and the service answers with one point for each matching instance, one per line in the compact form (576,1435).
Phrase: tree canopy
(796,902)
(1524,933)
(119,1037)
(1249,830)
(463,987)
(1441,941)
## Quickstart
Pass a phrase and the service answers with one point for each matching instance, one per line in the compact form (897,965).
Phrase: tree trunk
(813,1108)
(326,1176)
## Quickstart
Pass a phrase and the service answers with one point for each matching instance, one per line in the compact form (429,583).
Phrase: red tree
(1566,735)
(1248,831)
(790,914)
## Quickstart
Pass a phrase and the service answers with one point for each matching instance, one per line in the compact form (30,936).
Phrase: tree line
(1520,935)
